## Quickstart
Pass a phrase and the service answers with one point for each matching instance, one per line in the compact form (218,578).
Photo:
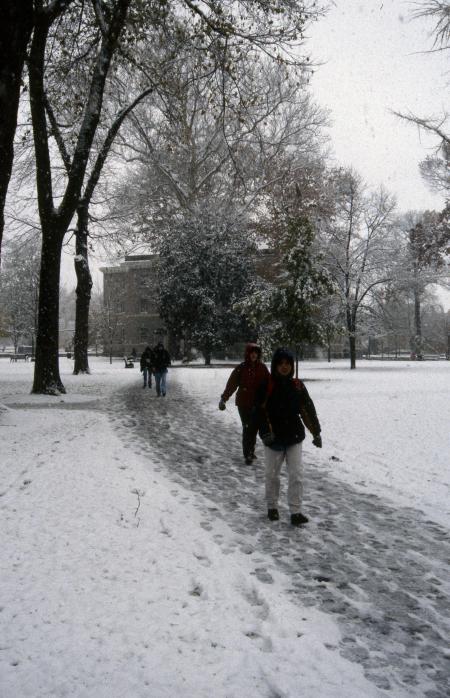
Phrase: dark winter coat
(246,379)
(146,359)
(160,359)
(285,407)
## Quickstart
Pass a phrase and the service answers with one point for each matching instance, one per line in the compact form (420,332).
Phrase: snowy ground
(136,558)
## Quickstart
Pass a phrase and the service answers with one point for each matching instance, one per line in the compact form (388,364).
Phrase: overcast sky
(373,61)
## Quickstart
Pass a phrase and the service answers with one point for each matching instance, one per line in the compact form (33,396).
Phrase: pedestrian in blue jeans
(160,363)
(146,366)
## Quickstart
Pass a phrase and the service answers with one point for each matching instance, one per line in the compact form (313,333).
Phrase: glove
(317,441)
(268,438)
(222,405)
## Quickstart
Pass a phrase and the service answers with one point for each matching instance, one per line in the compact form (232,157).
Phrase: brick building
(130,305)
(130,302)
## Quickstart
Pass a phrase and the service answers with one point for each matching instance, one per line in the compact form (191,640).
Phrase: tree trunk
(46,370)
(83,293)
(351,332)
(55,223)
(418,341)
(207,355)
(15,32)
(352,347)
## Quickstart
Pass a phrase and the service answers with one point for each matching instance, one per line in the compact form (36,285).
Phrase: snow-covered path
(380,569)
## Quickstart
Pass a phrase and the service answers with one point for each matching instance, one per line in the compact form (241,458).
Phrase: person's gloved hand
(222,405)
(317,441)
(268,438)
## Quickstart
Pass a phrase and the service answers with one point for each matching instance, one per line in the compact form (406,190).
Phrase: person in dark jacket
(160,363)
(285,408)
(246,379)
(146,366)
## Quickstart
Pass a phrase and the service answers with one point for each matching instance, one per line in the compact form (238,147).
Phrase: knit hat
(280,354)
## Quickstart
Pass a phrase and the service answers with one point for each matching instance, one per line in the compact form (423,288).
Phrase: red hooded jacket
(246,379)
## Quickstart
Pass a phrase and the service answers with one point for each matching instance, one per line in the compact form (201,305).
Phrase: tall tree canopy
(96,41)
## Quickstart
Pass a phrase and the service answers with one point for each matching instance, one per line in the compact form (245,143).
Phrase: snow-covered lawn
(119,581)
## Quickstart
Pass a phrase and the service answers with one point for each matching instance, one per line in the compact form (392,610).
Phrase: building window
(143,334)
(143,305)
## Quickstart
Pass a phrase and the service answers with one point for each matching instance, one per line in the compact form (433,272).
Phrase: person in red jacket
(246,379)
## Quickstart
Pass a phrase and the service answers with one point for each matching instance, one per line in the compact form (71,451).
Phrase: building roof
(142,261)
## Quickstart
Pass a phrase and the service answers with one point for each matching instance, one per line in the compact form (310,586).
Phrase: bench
(18,357)
(129,361)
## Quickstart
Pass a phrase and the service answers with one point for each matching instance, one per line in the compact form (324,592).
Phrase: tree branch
(426,124)
(37,104)
(57,134)
(100,17)
(104,151)
(93,109)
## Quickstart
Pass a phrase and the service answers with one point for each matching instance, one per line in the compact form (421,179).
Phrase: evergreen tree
(289,310)
(205,268)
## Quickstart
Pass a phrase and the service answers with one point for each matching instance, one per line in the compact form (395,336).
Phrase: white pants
(274,461)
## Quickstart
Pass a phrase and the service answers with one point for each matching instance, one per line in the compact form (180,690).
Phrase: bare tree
(423,239)
(84,279)
(96,322)
(111,318)
(55,219)
(223,141)
(435,168)
(439,12)
(19,286)
(356,237)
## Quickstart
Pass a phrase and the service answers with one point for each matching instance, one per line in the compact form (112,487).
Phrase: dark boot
(298,519)
(273,515)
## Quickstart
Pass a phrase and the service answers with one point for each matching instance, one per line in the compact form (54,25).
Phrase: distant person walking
(284,408)
(146,366)
(160,362)
(246,379)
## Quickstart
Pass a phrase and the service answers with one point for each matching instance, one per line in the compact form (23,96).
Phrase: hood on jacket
(279,354)
(252,347)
